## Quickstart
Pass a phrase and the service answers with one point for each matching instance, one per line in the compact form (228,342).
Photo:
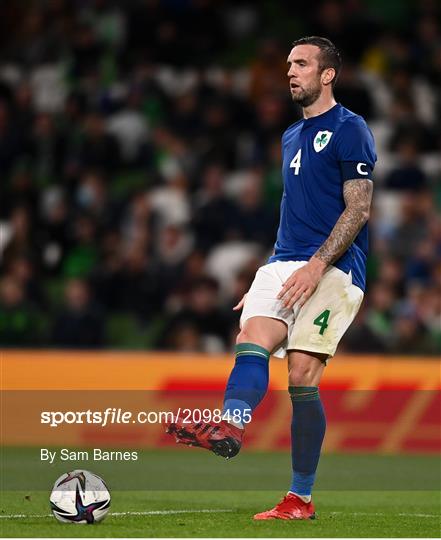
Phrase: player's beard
(308,96)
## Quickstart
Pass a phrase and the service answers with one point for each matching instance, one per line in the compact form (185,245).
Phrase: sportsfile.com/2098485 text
(113,415)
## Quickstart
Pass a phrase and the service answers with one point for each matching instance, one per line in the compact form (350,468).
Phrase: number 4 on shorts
(322,321)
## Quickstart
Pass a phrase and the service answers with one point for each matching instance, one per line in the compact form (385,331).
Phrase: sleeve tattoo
(357,195)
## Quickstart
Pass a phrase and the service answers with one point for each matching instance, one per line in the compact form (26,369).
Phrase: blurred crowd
(140,166)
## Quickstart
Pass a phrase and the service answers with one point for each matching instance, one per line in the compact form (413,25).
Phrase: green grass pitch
(220,514)
(342,510)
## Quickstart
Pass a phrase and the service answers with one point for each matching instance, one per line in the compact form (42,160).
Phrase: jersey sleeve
(355,149)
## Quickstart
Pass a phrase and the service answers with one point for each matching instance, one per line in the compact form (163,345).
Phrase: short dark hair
(329,56)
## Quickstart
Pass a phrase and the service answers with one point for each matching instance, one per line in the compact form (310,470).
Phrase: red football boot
(290,507)
(221,438)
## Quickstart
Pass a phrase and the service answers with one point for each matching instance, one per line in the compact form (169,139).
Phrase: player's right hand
(240,304)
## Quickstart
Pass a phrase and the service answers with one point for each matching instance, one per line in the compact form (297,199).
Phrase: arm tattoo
(357,195)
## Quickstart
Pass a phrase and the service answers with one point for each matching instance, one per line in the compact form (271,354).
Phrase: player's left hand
(302,283)
(240,304)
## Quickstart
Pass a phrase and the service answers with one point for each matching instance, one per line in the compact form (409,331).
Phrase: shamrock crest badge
(321,140)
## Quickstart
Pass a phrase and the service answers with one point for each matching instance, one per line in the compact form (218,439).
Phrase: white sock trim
(305,498)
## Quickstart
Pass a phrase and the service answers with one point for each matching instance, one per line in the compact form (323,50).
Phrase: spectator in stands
(391,274)
(352,91)
(202,313)
(130,127)
(215,215)
(92,197)
(256,222)
(21,192)
(138,281)
(55,239)
(20,241)
(24,111)
(419,265)
(268,71)
(175,246)
(22,269)
(410,336)
(11,143)
(19,322)
(408,175)
(45,149)
(373,329)
(79,325)
(185,337)
(406,124)
(411,229)
(83,254)
(98,150)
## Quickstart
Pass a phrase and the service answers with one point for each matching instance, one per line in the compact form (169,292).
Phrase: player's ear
(328,76)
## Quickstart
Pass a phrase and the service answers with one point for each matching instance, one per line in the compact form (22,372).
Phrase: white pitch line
(18,516)
(122,514)
(206,511)
(166,512)
(383,514)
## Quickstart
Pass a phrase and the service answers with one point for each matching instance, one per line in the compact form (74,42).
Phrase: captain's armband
(355,169)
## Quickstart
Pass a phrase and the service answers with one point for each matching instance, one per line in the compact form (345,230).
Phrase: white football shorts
(320,323)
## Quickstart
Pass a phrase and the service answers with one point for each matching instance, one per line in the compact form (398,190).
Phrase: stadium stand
(139,165)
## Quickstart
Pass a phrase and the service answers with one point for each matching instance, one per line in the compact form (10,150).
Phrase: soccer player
(304,299)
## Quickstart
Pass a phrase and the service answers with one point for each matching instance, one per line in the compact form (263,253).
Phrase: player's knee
(245,336)
(302,375)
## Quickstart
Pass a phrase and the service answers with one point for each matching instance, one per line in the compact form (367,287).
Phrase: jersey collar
(321,117)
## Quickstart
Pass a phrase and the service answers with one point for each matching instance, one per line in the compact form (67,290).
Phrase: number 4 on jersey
(295,163)
(322,321)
